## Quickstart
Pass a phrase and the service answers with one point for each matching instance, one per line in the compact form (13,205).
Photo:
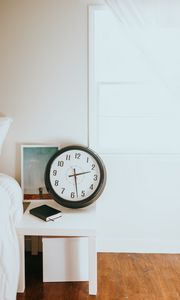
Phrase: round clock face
(75,176)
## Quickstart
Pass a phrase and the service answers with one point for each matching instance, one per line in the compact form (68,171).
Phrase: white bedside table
(73,223)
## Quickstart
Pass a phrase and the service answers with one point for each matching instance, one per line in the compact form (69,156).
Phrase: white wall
(43,74)
(43,87)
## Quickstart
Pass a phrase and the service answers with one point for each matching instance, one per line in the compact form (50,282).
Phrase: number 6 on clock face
(75,176)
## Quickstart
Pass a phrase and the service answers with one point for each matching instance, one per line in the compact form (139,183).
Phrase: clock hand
(76,174)
(75,179)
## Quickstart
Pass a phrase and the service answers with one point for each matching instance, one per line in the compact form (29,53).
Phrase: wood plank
(120,277)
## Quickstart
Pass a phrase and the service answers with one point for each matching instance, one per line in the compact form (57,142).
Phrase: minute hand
(79,173)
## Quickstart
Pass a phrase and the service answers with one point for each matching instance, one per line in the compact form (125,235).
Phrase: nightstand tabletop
(80,222)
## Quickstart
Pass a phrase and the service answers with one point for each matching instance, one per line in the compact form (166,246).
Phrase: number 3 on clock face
(75,176)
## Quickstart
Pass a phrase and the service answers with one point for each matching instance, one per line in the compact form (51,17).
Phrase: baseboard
(138,246)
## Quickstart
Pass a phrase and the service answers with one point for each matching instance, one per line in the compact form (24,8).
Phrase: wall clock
(75,176)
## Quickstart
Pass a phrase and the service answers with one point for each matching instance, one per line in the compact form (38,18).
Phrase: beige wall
(43,74)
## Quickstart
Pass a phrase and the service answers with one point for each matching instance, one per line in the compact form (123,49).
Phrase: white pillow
(4,126)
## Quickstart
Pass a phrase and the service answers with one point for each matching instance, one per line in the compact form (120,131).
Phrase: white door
(134,124)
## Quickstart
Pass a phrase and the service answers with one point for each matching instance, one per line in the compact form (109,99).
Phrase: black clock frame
(81,203)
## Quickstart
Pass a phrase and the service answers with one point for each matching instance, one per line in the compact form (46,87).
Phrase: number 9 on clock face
(75,176)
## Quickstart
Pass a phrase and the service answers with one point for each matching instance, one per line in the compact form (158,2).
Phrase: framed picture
(34,159)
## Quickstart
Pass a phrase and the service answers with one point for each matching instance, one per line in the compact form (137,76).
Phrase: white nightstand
(73,223)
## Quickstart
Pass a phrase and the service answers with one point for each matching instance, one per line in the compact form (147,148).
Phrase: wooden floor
(120,277)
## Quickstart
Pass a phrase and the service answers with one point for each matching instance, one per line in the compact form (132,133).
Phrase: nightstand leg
(92,265)
(21,285)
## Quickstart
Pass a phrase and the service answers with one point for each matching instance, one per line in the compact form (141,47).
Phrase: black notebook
(46,213)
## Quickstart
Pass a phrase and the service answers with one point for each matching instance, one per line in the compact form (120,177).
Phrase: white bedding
(10,212)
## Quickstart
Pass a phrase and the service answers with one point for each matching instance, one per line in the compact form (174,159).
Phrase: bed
(10,212)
